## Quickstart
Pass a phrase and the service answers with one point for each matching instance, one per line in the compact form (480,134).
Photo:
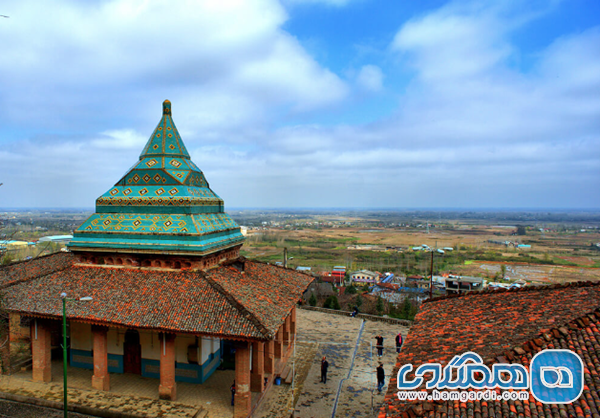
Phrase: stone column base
(168,393)
(101,383)
(42,374)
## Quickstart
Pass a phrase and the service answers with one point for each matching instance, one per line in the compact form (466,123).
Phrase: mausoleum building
(160,260)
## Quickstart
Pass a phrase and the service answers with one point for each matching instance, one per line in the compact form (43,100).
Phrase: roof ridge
(521,289)
(238,305)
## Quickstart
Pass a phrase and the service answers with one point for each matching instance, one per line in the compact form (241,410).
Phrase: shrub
(312,301)
(351,290)
(332,303)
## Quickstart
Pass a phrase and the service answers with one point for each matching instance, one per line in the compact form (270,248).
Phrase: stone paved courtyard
(334,336)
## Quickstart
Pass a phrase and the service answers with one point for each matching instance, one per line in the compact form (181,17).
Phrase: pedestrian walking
(232,393)
(379,345)
(398,342)
(380,377)
(324,366)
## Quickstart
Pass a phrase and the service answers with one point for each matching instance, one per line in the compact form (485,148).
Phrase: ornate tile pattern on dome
(163,194)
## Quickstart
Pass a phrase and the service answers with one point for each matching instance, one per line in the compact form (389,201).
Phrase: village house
(160,261)
(365,276)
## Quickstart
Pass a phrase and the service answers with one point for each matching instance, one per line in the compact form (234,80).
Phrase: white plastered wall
(150,345)
(114,341)
(182,342)
(81,336)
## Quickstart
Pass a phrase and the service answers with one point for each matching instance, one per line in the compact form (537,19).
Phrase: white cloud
(370,78)
(82,94)
(128,50)
(336,3)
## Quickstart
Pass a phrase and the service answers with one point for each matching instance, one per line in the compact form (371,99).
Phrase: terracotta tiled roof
(267,291)
(37,267)
(221,302)
(499,326)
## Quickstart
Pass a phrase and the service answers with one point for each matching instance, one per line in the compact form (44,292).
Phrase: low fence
(405,322)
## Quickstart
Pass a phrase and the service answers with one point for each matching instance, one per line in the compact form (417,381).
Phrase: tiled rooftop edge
(533,346)
(475,293)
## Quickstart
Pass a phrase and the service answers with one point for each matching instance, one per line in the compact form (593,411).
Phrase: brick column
(100,379)
(293,324)
(167,388)
(286,331)
(257,382)
(242,381)
(270,357)
(279,343)
(40,351)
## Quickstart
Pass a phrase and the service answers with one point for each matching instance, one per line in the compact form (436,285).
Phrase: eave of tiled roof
(222,302)
(499,325)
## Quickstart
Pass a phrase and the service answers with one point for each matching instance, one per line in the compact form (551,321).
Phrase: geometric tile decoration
(163,203)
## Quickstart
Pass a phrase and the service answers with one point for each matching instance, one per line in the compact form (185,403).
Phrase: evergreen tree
(332,303)
(407,308)
(312,301)
(379,305)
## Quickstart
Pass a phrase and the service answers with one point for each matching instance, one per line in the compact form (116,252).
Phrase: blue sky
(308,103)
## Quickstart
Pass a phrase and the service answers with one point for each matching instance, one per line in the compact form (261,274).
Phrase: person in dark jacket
(324,366)
(398,342)
(379,345)
(380,377)
(232,393)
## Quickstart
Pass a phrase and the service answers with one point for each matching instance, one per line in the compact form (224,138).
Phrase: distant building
(60,239)
(338,274)
(458,284)
(364,276)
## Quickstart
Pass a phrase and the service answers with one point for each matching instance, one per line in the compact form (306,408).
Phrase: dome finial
(166,107)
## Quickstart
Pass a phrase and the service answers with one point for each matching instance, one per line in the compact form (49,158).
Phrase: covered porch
(179,367)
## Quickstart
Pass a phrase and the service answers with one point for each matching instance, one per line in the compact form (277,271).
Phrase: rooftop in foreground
(504,326)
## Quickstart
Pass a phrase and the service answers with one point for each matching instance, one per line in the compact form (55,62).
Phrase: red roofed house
(160,259)
(504,326)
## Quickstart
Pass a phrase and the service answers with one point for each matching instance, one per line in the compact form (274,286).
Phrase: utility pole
(431,278)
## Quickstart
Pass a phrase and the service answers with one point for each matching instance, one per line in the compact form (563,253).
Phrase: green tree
(351,290)
(312,301)
(407,308)
(521,230)
(359,301)
(503,271)
(379,305)
(332,303)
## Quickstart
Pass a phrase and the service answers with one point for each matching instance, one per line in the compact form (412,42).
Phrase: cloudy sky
(307,103)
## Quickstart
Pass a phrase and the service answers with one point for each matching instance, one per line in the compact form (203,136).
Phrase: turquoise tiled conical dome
(162,205)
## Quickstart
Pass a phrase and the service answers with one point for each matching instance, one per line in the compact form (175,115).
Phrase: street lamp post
(64,303)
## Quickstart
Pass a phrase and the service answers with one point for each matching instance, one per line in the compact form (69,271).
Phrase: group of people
(379,344)
(325,365)
(380,372)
